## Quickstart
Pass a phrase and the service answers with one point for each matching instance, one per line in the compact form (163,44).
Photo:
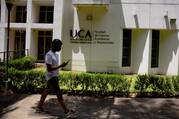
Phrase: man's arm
(51,68)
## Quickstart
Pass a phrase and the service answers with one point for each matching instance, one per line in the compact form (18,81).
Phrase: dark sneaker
(70,115)
(38,109)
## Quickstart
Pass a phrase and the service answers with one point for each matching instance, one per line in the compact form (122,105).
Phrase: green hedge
(32,80)
(160,85)
(24,81)
(24,63)
(102,84)
(27,81)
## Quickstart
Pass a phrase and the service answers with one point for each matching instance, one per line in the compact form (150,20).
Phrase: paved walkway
(21,107)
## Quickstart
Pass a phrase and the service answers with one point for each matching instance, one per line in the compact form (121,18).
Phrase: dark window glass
(42,17)
(0,12)
(19,43)
(50,9)
(155,48)
(46,14)
(44,43)
(126,51)
(48,44)
(21,14)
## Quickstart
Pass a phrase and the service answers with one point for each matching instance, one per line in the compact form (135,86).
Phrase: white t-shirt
(53,59)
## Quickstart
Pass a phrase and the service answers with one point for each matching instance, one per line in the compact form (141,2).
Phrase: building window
(19,43)
(21,14)
(0,12)
(44,43)
(155,48)
(46,14)
(126,51)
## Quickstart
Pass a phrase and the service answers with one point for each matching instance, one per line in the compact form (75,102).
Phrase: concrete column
(58,16)
(28,29)
(146,54)
(2,25)
(28,41)
(2,43)
(178,52)
(58,21)
(169,52)
(29,11)
(140,51)
(3,35)
(3,12)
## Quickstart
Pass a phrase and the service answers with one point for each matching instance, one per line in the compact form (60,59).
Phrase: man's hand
(64,64)
(50,68)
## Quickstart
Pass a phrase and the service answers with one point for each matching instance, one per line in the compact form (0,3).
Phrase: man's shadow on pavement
(114,108)
(84,107)
(51,109)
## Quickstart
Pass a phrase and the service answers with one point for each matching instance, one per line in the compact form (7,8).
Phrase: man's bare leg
(43,97)
(60,100)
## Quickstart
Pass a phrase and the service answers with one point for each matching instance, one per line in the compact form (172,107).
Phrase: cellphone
(68,61)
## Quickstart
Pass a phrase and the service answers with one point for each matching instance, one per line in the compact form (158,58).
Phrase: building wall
(31,26)
(103,26)
(140,16)
(169,55)
(140,51)
(96,55)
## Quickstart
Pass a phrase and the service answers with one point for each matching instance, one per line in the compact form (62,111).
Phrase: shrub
(175,80)
(26,81)
(30,81)
(24,63)
(2,73)
(159,85)
(2,77)
(103,83)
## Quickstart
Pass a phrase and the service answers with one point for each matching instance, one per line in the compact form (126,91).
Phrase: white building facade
(116,36)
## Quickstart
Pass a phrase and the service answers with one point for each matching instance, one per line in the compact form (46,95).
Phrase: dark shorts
(53,87)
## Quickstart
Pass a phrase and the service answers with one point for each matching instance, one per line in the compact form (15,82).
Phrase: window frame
(19,44)
(44,38)
(45,13)
(126,47)
(21,14)
(155,48)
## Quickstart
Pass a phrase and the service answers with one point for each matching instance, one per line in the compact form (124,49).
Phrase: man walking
(52,66)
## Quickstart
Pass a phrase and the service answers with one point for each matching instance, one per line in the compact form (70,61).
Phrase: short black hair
(56,42)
